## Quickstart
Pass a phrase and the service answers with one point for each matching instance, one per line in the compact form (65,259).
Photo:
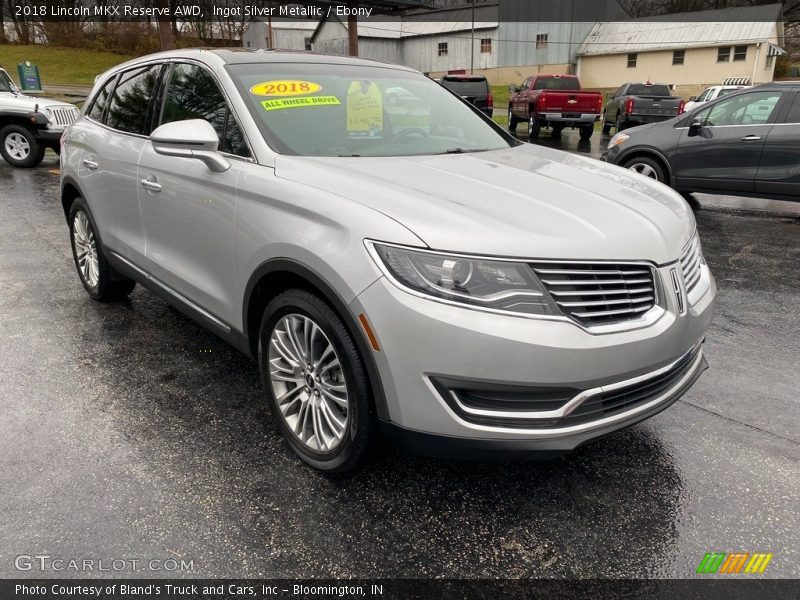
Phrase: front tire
(315,382)
(19,147)
(99,280)
(646,166)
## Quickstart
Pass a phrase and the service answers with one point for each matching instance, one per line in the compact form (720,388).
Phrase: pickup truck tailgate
(656,106)
(577,102)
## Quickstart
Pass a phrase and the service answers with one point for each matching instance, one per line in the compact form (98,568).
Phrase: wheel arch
(278,275)
(69,193)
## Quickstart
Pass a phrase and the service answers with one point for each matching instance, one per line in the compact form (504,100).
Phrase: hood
(526,202)
(23,102)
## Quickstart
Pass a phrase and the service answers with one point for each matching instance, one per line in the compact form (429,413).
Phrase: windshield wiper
(463,151)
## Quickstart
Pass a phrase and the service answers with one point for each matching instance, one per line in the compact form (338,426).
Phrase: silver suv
(405,268)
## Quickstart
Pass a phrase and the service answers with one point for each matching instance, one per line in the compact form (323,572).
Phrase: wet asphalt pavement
(128,431)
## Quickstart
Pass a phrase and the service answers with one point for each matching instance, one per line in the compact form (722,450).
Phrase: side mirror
(194,138)
(609,96)
(695,128)
(513,89)
(692,98)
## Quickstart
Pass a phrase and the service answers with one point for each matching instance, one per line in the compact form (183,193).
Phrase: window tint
(556,83)
(702,97)
(193,94)
(466,85)
(748,109)
(642,89)
(794,112)
(6,85)
(129,110)
(101,100)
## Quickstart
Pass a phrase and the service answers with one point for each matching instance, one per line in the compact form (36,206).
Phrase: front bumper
(423,342)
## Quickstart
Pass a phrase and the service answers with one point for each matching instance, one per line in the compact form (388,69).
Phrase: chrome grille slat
(607,313)
(64,116)
(606,302)
(691,260)
(595,281)
(599,293)
(640,290)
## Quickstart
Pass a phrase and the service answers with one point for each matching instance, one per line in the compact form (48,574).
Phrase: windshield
(556,83)
(642,89)
(6,85)
(347,110)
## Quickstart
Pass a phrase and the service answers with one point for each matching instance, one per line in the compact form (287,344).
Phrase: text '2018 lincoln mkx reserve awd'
(405,268)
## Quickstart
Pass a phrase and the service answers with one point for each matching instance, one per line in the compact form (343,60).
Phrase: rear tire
(534,129)
(19,147)
(99,279)
(606,125)
(324,412)
(586,132)
(620,124)
(512,121)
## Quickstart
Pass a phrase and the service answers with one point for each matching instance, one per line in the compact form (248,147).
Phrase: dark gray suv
(745,144)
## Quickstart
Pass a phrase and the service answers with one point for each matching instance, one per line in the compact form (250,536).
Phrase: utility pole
(352,29)
(165,30)
(472,43)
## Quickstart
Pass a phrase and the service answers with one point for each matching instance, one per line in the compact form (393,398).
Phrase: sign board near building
(29,78)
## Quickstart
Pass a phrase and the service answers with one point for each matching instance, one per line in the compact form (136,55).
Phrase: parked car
(29,125)
(555,101)
(475,89)
(638,103)
(745,143)
(712,93)
(461,291)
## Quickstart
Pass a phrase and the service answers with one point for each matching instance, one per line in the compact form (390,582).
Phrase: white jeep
(28,125)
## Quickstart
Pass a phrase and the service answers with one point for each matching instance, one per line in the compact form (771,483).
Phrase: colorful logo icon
(734,562)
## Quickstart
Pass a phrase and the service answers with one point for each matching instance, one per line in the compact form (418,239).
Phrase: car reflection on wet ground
(128,430)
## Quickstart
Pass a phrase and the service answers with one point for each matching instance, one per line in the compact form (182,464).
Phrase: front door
(188,210)
(726,152)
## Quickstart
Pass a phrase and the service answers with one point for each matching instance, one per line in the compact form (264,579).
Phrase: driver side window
(748,109)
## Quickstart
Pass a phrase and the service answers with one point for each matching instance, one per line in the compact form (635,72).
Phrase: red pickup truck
(553,101)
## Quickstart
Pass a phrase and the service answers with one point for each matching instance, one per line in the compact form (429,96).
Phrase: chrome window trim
(170,61)
(564,431)
(645,320)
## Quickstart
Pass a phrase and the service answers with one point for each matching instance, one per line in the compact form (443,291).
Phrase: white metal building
(688,53)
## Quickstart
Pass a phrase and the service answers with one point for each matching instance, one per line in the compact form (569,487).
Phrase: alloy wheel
(644,169)
(17,146)
(308,383)
(86,249)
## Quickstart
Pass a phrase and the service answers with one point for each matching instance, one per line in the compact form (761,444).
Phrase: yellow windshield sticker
(285,88)
(364,110)
(280,103)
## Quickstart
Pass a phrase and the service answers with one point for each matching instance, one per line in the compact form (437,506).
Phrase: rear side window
(467,86)
(794,111)
(556,83)
(193,94)
(101,100)
(129,109)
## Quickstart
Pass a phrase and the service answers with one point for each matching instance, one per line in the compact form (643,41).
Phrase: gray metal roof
(686,30)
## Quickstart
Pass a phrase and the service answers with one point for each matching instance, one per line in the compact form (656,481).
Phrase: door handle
(151,185)
(751,138)
(89,164)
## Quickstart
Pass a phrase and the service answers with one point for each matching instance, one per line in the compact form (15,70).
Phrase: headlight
(617,140)
(49,114)
(479,282)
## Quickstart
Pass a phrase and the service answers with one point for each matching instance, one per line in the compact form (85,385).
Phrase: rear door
(112,139)
(726,153)
(189,210)
(779,171)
